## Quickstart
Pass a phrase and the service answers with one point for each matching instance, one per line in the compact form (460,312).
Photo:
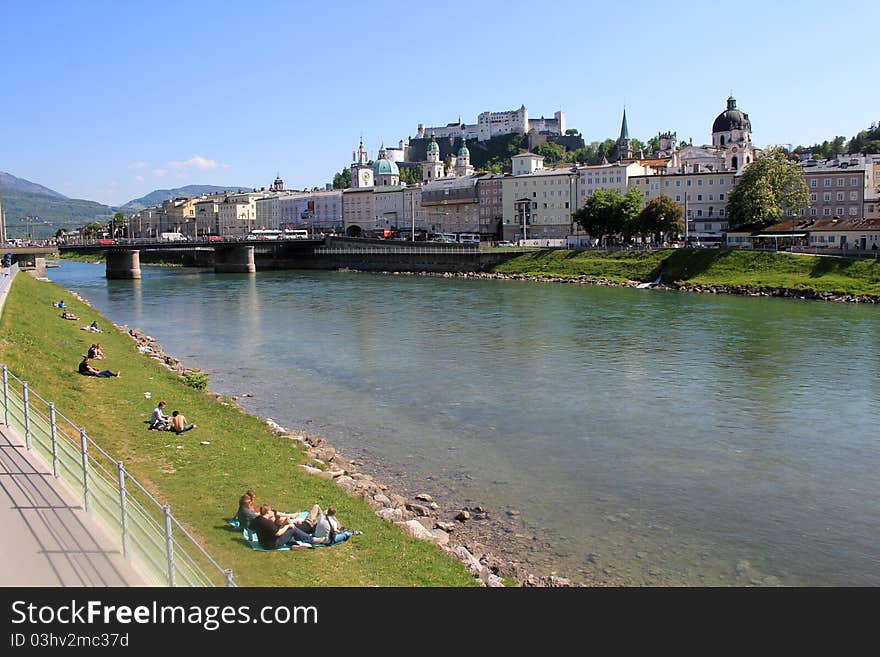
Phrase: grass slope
(706,267)
(203,483)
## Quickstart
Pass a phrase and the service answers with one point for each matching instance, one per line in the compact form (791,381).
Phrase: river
(656,437)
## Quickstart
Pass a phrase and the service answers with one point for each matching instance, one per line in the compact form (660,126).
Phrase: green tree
(768,186)
(572,131)
(653,146)
(411,175)
(93,229)
(661,215)
(607,213)
(552,153)
(61,231)
(342,180)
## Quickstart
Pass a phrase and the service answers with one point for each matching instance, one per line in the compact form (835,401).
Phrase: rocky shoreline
(467,533)
(677,286)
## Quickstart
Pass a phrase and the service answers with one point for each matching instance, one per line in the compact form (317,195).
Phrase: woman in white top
(328,531)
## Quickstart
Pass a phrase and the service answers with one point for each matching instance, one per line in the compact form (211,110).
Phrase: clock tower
(361,171)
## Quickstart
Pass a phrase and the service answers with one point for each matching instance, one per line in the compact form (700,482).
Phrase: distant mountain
(22,198)
(157,196)
(8,182)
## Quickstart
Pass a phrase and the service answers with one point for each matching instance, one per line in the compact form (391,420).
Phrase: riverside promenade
(48,539)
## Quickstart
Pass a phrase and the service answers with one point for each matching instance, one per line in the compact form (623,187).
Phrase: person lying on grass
(70,316)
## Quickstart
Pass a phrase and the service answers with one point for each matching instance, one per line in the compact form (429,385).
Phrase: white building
(607,177)
(494,124)
(541,199)
(237,213)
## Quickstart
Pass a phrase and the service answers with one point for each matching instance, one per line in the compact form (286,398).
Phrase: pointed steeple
(624,130)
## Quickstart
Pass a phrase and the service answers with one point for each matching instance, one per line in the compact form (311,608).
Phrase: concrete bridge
(242,256)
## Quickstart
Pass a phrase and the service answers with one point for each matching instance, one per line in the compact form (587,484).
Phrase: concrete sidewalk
(47,538)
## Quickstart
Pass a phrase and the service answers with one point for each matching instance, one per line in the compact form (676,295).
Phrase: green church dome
(385,167)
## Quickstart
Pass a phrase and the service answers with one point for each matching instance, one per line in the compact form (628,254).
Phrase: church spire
(624,130)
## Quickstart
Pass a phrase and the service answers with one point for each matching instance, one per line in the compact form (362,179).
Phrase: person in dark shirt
(272,535)
(87,370)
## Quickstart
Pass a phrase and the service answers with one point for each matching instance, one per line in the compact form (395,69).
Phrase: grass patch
(202,483)
(706,267)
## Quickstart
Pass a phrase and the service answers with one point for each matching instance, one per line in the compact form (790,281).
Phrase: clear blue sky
(110,100)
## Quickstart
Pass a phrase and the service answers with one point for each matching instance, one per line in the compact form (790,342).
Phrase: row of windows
(666,183)
(854,181)
(535,182)
(826,196)
(826,212)
(710,213)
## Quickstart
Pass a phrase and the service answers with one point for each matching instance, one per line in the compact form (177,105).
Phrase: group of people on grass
(176,422)
(275,529)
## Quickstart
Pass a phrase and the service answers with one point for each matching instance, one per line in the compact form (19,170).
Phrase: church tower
(361,171)
(732,133)
(433,168)
(624,144)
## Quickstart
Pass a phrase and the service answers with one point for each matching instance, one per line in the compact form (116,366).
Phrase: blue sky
(110,100)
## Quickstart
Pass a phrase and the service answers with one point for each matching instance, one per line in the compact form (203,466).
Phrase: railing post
(229,580)
(83,448)
(27,415)
(120,468)
(169,545)
(54,429)
(5,396)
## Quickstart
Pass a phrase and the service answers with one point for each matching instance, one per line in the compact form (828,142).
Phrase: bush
(195,378)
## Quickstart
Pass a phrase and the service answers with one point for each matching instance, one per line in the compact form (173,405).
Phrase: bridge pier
(123,264)
(234,260)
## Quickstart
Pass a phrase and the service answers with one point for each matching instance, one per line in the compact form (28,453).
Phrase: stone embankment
(419,516)
(677,286)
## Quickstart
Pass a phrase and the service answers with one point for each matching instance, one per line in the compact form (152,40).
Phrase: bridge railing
(165,552)
(378,250)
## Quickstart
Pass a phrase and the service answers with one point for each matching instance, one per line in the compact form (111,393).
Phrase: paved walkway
(47,539)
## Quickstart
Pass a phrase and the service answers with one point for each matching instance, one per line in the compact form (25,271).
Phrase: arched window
(748,159)
(722,140)
(711,210)
(735,163)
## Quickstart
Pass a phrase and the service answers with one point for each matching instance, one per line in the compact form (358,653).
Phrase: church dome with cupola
(385,171)
(731,119)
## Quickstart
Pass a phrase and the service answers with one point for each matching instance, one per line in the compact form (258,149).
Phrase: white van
(171,237)
(468,238)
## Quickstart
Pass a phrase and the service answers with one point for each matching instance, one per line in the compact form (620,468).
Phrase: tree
(411,175)
(342,180)
(661,215)
(572,131)
(117,222)
(608,213)
(93,229)
(61,231)
(552,153)
(768,186)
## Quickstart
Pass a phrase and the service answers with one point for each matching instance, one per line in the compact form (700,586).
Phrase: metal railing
(370,250)
(165,552)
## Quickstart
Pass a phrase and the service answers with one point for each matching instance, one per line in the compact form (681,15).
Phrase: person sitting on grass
(178,423)
(70,316)
(87,370)
(95,351)
(329,531)
(271,535)
(60,304)
(246,510)
(158,420)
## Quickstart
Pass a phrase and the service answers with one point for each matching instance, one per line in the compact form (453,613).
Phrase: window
(814,197)
(814,182)
(711,197)
(828,182)
(534,194)
(854,181)
(831,238)
(840,182)
(678,183)
(812,212)
(826,196)
(700,182)
(853,211)
(678,198)
(839,196)
(699,197)
(853,196)
(711,181)
(721,197)
(839,212)
(699,213)
(826,212)
(689,183)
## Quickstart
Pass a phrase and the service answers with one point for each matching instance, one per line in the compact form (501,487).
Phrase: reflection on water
(687,439)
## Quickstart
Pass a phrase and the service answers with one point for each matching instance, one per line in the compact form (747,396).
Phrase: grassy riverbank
(717,267)
(203,482)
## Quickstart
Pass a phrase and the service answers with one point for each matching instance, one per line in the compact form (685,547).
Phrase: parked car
(215,238)
(505,243)
(106,242)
